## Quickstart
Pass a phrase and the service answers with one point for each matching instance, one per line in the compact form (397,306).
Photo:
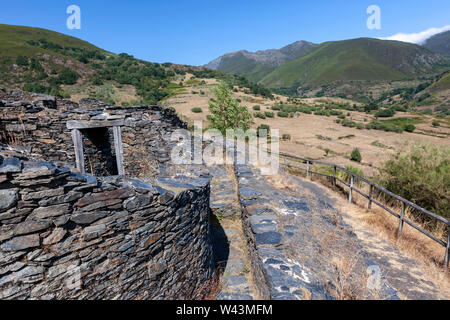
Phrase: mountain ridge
(255,65)
(439,43)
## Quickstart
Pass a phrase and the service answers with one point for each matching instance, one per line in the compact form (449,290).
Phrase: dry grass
(346,286)
(427,253)
(305,129)
(13,138)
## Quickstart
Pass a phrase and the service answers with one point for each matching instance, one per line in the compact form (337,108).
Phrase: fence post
(350,194)
(447,252)
(334,176)
(402,216)
(307,169)
(285,161)
(370,196)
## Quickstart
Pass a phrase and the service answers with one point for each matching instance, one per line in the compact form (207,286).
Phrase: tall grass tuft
(420,174)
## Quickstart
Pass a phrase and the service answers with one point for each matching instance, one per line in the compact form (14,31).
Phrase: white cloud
(418,38)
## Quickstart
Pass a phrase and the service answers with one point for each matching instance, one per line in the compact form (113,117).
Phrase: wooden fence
(373,187)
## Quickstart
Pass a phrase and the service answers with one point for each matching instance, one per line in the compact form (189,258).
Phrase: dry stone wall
(67,235)
(38,123)
(64,235)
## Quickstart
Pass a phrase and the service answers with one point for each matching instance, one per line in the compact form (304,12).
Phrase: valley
(317,136)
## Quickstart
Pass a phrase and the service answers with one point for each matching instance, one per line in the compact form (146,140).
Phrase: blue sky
(197,31)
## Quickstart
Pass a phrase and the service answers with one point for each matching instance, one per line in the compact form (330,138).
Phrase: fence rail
(370,197)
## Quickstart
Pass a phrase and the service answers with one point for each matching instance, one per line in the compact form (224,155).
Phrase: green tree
(356,155)
(226,113)
(22,61)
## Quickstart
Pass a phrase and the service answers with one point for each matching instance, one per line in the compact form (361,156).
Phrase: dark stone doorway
(99,152)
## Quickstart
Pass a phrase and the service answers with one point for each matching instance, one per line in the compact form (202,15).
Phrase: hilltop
(256,65)
(439,43)
(348,68)
(357,59)
(45,61)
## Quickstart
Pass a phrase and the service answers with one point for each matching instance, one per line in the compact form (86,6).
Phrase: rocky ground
(306,250)
(310,249)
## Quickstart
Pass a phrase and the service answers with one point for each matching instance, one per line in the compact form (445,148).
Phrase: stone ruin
(75,220)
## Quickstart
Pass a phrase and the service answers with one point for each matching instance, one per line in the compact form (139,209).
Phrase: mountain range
(256,65)
(363,59)
(439,43)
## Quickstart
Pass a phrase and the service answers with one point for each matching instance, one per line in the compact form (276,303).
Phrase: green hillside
(242,65)
(439,43)
(14,41)
(357,59)
(44,61)
(442,84)
(256,65)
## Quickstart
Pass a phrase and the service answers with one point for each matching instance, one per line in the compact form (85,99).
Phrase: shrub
(22,61)
(436,123)
(347,177)
(420,174)
(276,107)
(269,114)
(410,128)
(97,81)
(197,110)
(260,115)
(68,76)
(263,127)
(286,137)
(385,113)
(283,114)
(256,108)
(356,155)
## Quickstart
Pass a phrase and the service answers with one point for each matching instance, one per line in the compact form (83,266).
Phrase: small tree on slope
(226,113)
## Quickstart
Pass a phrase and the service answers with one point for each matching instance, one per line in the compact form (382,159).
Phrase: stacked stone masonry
(67,235)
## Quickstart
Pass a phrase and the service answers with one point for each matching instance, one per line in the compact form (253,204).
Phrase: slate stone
(22,275)
(52,211)
(249,194)
(10,165)
(234,266)
(21,243)
(43,194)
(35,172)
(56,236)
(8,198)
(268,238)
(273,261)
(289,234)
(263,219)
(31,226)
(156,269)
(234,281)
(262,228)
(103,196)
(296,205)
(138,202)
(88,217)
(283,296)
(233,296)
(66,198)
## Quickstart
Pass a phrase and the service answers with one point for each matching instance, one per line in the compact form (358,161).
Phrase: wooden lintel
(85,124)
